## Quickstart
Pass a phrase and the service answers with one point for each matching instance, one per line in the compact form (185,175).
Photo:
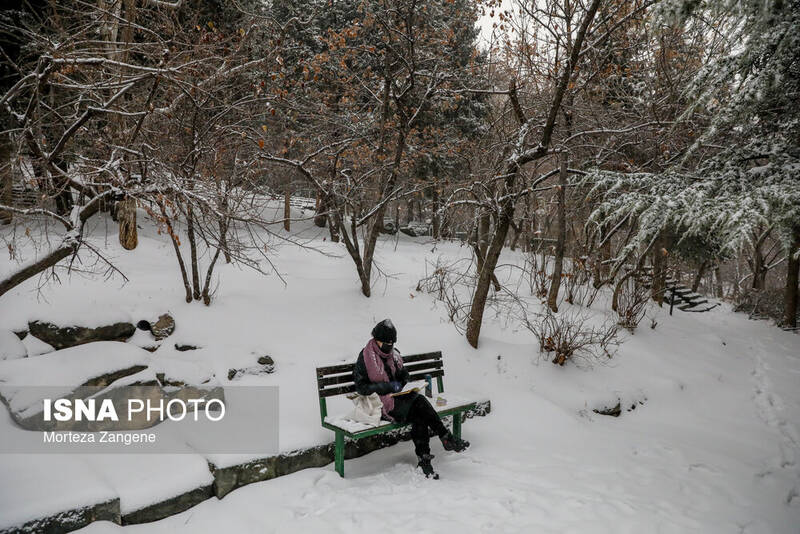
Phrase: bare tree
(520,153)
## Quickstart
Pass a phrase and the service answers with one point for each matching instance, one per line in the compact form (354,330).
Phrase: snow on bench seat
(351,427)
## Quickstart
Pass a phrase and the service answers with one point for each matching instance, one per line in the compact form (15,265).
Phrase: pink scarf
(374,360)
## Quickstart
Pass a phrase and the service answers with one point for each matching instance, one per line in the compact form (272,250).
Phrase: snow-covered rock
(62,337)
(92,364)
(11,348)
(163,327)
(35,346)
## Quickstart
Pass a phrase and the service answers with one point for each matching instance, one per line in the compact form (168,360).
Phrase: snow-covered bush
(761,303)
(570,335)
(630,301)
(449,283)
(538,281)
(577,281)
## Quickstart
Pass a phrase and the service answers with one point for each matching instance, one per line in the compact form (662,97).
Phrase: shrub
(570,336)
(630,300)
(447,283)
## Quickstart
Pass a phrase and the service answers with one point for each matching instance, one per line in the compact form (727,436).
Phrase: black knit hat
(385,332)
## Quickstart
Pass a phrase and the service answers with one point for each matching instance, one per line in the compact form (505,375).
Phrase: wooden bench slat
(348,367)
(421,376)
(335,369)
(423,356)
(350,388)
(430,366)
(341,390)
(331,380)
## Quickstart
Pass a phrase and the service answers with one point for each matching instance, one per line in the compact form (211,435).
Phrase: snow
(142,479)
(83,313)
(345,421)
(46,485)
(35,346)
(11,348)
(64,370)
(714,446)
(72,366)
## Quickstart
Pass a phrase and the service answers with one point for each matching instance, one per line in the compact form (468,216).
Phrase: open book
(418,386)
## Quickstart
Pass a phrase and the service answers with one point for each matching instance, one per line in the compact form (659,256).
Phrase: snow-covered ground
(714,446)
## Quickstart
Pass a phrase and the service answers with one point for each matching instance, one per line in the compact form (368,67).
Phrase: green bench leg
(339,454)
(457,425)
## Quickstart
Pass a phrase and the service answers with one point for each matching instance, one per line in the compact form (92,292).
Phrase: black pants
(423,418)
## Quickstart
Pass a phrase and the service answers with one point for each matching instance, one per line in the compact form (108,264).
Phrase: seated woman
(379,369)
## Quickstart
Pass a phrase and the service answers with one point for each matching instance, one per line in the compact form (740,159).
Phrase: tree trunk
(484,232)
(287,209)
(604,268)
(435,212)
(561,238)
(377,225)
(63,192)
(718,282)
(223,238)
(485,277)
(790,293)
(699,276)
(532,224)
(410,211)
(193,253)
(320,216)
(484,225)
(126,213)
(659,272)
(618,289)
(209,272)
(333,229)
(176,247)
(351,244)
(758,263)
(515,238)
(33,269)
(6,177)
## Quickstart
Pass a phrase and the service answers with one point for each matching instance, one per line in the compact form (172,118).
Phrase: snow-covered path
(775,412)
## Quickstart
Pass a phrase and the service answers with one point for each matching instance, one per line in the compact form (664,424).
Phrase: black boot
(427,468)
(452,443)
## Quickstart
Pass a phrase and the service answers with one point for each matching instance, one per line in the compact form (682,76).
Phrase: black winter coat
(364,386)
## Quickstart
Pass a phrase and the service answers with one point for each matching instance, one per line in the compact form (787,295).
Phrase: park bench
(337,380)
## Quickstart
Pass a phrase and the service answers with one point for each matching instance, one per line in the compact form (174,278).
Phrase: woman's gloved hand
(396,386)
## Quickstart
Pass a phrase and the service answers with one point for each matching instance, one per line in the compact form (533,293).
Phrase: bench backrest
(338,379)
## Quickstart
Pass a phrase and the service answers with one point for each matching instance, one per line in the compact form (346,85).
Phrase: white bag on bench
(367,409)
